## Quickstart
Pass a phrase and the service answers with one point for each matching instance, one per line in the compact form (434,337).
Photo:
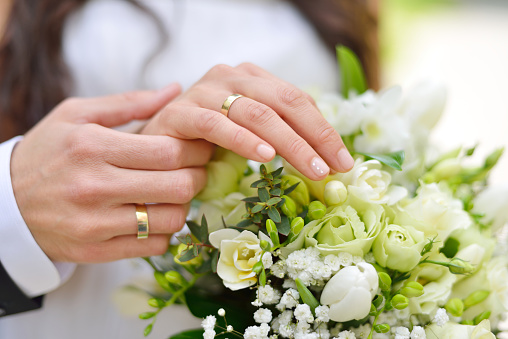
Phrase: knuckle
(83,190)
(81,143)
(170,155)
(327,134)
(207,123)
(247,67)
(71,103)
(185,189)
(221,69)
(296,146)
(259,114)
(291,96)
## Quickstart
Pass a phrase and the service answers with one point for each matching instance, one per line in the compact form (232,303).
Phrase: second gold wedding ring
(142,218)
(228,102)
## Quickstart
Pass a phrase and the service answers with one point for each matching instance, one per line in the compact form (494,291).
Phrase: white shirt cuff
(23,259)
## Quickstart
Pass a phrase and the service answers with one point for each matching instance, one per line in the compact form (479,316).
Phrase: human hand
(273,115)
(76,180)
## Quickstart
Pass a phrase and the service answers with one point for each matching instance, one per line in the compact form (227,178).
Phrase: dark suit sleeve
(12,299)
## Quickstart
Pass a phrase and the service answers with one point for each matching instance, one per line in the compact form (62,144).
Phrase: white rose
(239,252)
(349,293)
(370,183)
(493,202)
(434,211)
(456,331)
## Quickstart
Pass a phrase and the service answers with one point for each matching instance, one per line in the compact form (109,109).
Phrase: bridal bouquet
(405,245)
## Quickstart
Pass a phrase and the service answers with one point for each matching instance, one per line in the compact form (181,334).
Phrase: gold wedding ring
(228,102)
(142,218)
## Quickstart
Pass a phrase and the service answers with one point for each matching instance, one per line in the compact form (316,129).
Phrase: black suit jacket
(12,299)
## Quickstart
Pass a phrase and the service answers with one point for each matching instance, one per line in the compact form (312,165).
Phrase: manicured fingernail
(346,160)
(265,152)
(319,167)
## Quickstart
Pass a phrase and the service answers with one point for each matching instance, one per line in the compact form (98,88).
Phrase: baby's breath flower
(302,327)
(322,314)
(257,332)
(441,318)
(279,269)
(357,259)
(418,333)
(346,335)
(209,334)
(345,259)
(289,283)
(221,312)
(289,299)
(263,315)
(267,260)
(362,331)
(229,328)
(267,295)
(209,323)
(369,257)
(303,313)
(264,329)
(322,331)
(401,333)
(257,303)
(333,262)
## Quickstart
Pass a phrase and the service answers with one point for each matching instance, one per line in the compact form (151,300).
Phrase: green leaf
(284,226)
(199,231)
(306,295)
(148,330)
(276,181)
(263,194)
(215,258)
(262,169)
(290,188)
(251,199)
(161,280)
(277,172)
(262,278)
(244,223)
(274,236)
(450,248)
(393,160)
(257,218)
(351,72)
(185,239)
(274,214)
(187,255)
(273,201)
(470,151)
(191,334)
(259,183)
(257,208)
(276,191)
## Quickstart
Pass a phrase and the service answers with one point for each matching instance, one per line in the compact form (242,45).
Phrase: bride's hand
(272,116)
(76,181)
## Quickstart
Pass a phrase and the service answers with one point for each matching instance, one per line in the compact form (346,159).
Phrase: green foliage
(393,160)
(306,295)
(351,72)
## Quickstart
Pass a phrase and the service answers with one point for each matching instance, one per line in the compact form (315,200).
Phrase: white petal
(354,306)
(339,285)
(224,234)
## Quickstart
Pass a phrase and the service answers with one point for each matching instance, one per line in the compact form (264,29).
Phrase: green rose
(351,227)
(398,248)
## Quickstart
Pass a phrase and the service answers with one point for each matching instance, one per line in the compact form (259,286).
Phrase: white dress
(106,45)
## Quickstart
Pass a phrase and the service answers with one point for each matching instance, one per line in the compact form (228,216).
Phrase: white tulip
(239,252)
(493,202)
(349,293)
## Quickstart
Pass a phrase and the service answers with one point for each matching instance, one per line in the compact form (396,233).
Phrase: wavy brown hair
(34,77)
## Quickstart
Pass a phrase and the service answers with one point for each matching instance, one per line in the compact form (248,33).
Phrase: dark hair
(34,77)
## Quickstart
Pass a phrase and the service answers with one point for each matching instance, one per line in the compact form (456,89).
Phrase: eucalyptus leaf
(257,208)
(251,199)
(351,72)
(274,214)
(273,201)
(284,226)
(215,258)
(263,194)
(291,188)
(244,223)
(277,172)
(276,191)
(393,160)
(187,255)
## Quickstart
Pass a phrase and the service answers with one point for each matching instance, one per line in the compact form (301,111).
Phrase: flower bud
(335,193)
(467,322)
(378,300)
(297,225)
(475,298)
(175,278)
(270,226)
(493,158)
(316,210)
(156,302)
(446,169)
(412,289)
(300,194)
(459,266)
(265,245)
(193,262)
(289,206)
(455,307)
(482,316)
(385,282)
(399,301)
(382,328)
(258,267)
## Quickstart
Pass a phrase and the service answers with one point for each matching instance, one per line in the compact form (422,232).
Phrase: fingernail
(319,167)
(265,152)
(346,160)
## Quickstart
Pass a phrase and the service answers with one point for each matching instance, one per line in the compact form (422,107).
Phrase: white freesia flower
(456,331)
(493,202)
(239,252)
(434,211)
(349,293)
(370,183)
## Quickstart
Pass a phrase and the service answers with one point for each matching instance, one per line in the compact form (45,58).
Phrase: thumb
(119,109)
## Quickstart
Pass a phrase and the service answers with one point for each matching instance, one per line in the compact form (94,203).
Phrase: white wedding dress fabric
(107,44)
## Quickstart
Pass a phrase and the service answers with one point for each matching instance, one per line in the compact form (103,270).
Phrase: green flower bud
(258,267)
(385,282)
(335,193)
(289,206)
(446,169)
(316,210)
(270,226)
(475,298)
(373,310)
(455,307)
(399,301)
(175,278)
(297,225)
(265,245)
(196,261)
(493,158)
(300,194)
(459,266)
(159,277)
(156,302)
(412,289)
(378,300)
(147,315)
(382,328)
(467,322)
(482,316)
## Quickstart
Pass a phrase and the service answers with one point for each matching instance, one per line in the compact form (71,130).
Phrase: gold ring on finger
(142,218)
(228,102)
